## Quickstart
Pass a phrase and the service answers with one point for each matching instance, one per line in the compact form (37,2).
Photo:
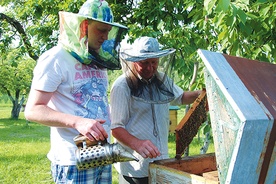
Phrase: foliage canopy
(242,28)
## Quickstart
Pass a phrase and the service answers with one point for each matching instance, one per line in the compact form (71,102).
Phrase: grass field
(24,146)
(23,150)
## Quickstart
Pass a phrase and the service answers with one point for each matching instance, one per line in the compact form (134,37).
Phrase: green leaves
(243,28)
(209,5)
(223,5)
(16,73)
(241,14)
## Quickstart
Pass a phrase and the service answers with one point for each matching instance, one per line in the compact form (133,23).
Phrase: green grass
(23,150)
(24,146)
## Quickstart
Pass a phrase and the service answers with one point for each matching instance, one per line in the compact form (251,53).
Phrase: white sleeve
(178,93)
(119,104)
(47,74)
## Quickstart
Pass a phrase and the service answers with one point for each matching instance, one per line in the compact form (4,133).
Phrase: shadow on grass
(21,131)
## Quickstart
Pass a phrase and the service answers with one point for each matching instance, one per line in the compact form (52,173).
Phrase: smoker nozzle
(101,154)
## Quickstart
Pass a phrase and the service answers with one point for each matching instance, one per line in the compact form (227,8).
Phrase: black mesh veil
(159,89)
(108,57)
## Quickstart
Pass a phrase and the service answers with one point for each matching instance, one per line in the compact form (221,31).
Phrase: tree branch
(22,33)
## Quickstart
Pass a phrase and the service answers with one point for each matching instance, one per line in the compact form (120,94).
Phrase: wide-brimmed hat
(144,48)
(100,11)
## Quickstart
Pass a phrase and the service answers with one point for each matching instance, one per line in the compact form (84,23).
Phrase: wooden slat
(187,170)
(231,86)
(196,164)
(212,175)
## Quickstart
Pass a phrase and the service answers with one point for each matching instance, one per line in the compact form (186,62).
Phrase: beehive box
(193,169)
(242,104)
(173,118)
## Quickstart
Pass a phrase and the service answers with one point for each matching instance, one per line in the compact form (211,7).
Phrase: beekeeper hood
(75,40)
(159,88)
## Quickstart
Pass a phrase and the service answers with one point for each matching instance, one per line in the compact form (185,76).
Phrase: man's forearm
(45,115)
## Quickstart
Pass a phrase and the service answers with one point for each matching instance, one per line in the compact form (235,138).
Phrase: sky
(2,9)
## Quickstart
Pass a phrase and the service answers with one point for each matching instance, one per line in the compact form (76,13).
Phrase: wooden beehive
(200,169)
(242,106)
(173,118)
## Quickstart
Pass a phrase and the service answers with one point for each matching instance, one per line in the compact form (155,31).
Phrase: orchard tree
(15,79)
(32,25)
(27,29)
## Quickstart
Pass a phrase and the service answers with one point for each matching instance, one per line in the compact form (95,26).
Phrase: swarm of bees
(189,125)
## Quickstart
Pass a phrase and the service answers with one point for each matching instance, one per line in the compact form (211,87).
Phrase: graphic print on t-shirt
(90,93)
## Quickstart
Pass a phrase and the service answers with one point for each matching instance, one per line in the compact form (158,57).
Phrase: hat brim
(145,55)
(110,23)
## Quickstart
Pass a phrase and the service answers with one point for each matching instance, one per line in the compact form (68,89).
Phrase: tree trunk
(16,108)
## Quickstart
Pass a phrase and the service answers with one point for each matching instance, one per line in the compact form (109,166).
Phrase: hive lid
(241,93)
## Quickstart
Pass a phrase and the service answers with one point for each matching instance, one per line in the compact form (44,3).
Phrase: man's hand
(146,149)
(92,129)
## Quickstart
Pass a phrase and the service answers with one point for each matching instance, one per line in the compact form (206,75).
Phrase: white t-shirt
(137,118)
(78,89)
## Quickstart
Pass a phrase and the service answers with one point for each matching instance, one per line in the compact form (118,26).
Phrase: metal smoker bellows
(93,154)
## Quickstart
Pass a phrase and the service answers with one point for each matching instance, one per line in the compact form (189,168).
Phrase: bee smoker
(93,154)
